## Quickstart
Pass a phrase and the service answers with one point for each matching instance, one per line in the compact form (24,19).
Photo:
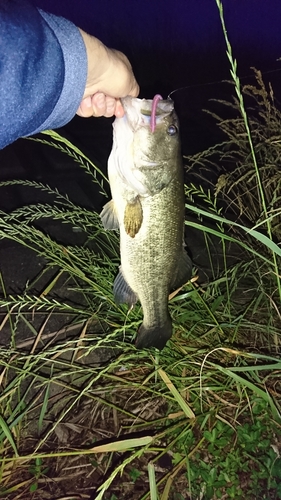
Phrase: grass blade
(184,406)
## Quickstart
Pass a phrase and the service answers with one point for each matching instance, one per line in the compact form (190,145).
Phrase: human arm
(46,72)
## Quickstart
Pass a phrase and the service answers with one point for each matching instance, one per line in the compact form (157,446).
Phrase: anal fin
(184,270)
(123,294)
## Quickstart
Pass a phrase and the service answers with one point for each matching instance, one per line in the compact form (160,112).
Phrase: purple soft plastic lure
(155,101)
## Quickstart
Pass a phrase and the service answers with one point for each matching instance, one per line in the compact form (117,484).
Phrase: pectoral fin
(133,217)
(109,217)
(123,294)
(184,270)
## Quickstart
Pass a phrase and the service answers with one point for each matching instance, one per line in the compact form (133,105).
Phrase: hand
(110,77)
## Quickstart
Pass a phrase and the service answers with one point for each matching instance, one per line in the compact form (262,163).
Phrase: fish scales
(150,259)
(146,179)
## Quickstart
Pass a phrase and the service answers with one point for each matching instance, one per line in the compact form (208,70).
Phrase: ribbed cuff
(75,76)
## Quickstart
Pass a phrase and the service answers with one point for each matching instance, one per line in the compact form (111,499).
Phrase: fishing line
(196,85)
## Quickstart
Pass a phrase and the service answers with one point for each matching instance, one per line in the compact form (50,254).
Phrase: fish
(146,178)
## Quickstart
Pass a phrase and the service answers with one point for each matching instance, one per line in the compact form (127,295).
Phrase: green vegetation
(83,414)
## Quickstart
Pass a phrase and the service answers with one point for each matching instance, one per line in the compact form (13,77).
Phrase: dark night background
(171,44)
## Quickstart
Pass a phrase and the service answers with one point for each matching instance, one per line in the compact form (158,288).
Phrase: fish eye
(172,130)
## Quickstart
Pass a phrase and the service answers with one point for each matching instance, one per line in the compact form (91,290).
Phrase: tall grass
(83,414)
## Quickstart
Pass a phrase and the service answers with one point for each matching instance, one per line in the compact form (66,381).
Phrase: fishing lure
(155,101)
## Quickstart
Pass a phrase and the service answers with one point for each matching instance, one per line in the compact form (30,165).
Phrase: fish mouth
(146,112)
(144,106)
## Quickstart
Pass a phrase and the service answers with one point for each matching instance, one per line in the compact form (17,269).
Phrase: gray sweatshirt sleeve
(75,71)
(43,70)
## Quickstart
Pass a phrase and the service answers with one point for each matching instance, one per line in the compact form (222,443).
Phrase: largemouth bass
(146,180)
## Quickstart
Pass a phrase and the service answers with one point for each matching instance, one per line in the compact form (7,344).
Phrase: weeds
(85,415)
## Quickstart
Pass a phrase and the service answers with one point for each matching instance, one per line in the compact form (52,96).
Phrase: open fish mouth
(152,111)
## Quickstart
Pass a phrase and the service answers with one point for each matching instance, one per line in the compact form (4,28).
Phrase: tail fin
(156,336)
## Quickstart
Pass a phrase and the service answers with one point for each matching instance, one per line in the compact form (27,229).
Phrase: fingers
(110,76)
(119,110)
(100,105)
